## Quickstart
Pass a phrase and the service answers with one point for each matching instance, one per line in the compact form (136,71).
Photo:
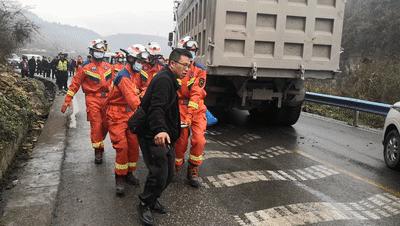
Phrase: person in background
(88,60)
(38,66)
(62,68)
(46,67)
(154,64)
(160,131)
(32,67)
(119,62)
(24,67)
(71,67)
(79,63)
(53,67)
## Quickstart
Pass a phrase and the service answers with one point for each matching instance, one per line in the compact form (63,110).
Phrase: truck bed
(272,35)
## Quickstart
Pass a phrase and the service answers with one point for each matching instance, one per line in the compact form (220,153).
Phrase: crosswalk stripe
(243,177)
(317,212)
(256,155)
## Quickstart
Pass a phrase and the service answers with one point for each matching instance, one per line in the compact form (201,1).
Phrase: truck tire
(288,116)
(285,116)
(262,115)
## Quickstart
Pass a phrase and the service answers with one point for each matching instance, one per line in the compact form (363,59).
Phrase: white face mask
(98,55)
(137,66)
(193,54)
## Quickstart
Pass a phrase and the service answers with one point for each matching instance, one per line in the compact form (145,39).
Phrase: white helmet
(98,45)
(137,51)
(154,48)
(188,43)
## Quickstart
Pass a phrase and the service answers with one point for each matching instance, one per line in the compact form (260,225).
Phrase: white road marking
(268,153)
(243,177)
(318,212)
(242,140)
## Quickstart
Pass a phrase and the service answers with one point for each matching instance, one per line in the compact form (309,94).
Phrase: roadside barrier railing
(356,105)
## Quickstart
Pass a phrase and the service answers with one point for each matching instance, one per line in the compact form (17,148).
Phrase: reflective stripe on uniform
(144,75)
(98,144)
(107,74)
(193,105)
(92,74)
(121,166)
(131,164)
(178,160)
(196,158)
(70,93)
(191,82)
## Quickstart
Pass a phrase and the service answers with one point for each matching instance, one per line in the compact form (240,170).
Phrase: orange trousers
(96,117)
(124,142)
(198,140)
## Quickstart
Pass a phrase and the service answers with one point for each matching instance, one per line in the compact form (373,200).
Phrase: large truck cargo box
(274,37)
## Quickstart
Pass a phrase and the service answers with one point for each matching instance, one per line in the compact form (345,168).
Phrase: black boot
(98,156)
(193,176)
(145,215)
(120,185)
(132,179)
(159,208)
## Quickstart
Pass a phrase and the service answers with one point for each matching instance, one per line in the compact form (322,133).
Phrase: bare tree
(15,28)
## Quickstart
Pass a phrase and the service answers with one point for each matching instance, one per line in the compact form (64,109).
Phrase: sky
(108,17)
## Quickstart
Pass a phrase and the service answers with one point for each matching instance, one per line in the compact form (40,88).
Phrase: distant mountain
(118,41)
(52,38)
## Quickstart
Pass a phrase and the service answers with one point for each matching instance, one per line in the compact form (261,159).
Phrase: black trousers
(31,73)
(47,73)
(61,80)
(160,162)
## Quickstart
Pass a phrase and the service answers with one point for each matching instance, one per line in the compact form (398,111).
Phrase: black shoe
(145,215)
(120,185)
(98,156)
(193,176)
(159,208)
(132,179)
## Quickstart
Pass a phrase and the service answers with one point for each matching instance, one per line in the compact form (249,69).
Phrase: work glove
(65,106)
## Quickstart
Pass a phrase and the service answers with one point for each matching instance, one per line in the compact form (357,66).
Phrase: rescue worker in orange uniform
(95,79)
(155,60)
(121,104)
(193,115)
(119,62)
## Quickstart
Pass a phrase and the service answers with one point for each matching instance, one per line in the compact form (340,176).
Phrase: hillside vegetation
(370,62)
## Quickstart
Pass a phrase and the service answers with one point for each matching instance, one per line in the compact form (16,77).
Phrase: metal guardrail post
(356,116)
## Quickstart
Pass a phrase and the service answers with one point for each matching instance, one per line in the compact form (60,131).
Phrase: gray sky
(108,17)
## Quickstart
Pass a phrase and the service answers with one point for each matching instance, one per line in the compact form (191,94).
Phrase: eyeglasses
(187,66)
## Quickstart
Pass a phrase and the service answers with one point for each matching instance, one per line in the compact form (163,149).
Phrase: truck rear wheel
(288,116)
(285,116)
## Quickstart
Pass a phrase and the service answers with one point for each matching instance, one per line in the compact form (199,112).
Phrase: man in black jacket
(161,130)
(32,67)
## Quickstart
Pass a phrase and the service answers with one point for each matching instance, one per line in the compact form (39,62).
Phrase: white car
(391,138)
(14,60)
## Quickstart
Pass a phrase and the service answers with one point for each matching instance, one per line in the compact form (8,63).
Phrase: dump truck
(258,52)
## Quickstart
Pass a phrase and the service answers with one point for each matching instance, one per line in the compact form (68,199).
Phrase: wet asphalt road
(317,172)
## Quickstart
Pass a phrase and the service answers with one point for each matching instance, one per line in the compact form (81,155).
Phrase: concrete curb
(32,201)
